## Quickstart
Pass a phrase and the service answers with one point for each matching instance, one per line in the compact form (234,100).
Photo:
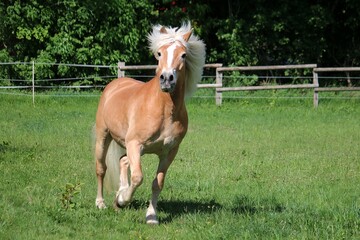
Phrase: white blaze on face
(170,53)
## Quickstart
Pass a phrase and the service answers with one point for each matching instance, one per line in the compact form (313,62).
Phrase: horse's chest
(169,141)
(165,139)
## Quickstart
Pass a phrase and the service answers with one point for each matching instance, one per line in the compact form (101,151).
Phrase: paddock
(258,170)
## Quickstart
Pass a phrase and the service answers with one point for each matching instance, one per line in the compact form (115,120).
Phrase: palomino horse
(137,118)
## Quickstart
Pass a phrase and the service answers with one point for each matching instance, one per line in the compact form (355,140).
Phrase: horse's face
(171,63)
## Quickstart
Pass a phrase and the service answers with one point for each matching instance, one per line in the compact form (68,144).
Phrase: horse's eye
(183,56)
(159,54)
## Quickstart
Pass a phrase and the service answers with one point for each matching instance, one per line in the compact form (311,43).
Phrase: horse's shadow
(175,209)
(172,209)
(241,204)
(245,205)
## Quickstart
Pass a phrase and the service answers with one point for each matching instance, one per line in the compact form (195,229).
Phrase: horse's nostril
(171,77)
(162,76)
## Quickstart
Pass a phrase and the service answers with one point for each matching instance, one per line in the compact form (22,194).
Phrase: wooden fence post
(218,93)
(33,82)
(120,72)
(316,91)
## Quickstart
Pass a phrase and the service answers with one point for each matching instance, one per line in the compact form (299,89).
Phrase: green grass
(267,168)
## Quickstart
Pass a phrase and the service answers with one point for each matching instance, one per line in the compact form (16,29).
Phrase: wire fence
(35,83)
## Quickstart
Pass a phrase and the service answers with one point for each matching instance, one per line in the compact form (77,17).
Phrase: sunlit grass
(269,168)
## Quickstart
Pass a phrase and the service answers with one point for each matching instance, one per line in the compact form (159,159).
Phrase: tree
(88,32)
(236,32)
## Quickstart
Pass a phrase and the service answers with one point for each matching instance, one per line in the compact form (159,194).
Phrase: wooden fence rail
(262,68)
(219,76)
(122,67)
(318,89)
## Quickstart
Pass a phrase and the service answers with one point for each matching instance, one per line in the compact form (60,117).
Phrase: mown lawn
(251,169)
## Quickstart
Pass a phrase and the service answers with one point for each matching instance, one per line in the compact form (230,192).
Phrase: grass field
(251,169)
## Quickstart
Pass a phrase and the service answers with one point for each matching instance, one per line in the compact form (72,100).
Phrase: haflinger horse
(136,118)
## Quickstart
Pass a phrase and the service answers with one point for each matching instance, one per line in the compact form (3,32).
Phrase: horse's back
(123,86)
(115,101)
(119,94)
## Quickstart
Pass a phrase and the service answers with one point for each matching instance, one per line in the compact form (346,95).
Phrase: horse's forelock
(161,35)
(195,49)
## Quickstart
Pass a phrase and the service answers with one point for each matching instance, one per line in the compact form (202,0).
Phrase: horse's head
(178,50)
(171,59)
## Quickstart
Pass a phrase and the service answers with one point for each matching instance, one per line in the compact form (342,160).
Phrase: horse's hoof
(116,204)
(152,220)
(119,199)
(100,204)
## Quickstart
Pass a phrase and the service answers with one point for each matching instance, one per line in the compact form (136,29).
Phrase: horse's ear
(163,30)
(187,35)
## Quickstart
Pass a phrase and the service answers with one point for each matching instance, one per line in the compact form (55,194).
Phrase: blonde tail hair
(112,160)
(112,176)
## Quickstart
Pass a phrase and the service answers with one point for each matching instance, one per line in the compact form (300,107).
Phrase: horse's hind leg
(158,185)
(101,146)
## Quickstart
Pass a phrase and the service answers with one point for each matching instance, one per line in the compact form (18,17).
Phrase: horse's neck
(175,100)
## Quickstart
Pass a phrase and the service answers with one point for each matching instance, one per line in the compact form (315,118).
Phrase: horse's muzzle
(168,81)
(167,86)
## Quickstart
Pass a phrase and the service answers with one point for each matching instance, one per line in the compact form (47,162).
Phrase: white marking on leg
(151,217)
(100,203)
(120,199)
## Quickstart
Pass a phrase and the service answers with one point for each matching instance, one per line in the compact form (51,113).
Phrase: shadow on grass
(23,152)
(175,209)
(242,205)
(247,206)
(6,146)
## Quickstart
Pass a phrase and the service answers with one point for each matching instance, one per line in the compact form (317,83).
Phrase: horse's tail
(112,176)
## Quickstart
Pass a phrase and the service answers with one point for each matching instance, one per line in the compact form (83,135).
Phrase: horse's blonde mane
(195,52)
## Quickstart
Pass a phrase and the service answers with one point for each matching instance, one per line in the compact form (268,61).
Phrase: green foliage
(237,79)
(235,50)
(235,32)
(86,32)
(68,194)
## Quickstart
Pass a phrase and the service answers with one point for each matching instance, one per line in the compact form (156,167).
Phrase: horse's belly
(160,146)
(119,139)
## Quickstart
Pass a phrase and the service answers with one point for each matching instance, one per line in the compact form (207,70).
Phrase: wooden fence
(220,70)
(255,88)
(318,89)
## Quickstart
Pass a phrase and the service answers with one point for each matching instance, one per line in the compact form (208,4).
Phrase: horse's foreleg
(125,193)
(158,185)
(124,181)
(124,167)
(101,147)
